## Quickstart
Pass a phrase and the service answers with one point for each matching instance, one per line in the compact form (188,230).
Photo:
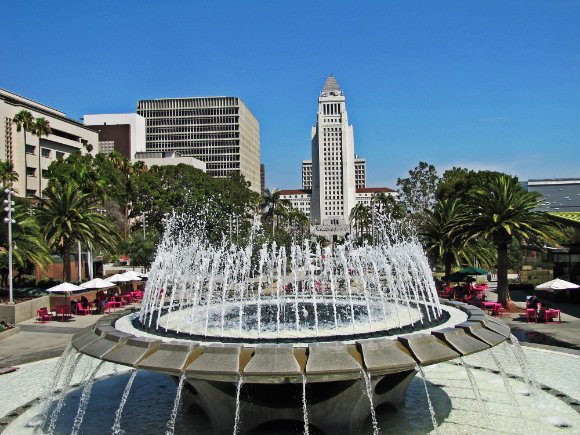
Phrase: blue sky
(480,84)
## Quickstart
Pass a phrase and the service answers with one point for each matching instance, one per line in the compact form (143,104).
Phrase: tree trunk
(503,292)
(66,264)
(39,169)
(448,260)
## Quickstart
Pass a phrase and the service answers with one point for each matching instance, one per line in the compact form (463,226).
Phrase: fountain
(259,335)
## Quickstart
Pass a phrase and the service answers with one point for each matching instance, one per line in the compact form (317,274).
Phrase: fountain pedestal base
(333,407)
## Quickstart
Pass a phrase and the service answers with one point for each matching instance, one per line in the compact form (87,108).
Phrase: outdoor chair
(81,310)
(42,315)
(553,314)
(498,310)
(531,314)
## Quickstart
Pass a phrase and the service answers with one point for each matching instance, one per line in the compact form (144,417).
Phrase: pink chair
(42,315)
(81,310)
(498,310)
(532,314)
(108,307)
(552,314)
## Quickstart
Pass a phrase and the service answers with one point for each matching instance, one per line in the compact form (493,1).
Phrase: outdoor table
(489,305)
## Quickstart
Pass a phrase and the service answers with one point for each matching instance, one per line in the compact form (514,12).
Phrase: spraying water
(116,429)
(431,410)
(237,415)
(85,397)
(369,391)
(170,427)
(305,406)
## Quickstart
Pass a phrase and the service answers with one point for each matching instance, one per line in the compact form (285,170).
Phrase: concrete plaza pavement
(39,341)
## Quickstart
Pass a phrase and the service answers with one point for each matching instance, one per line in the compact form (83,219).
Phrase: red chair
(553,314)
(81,310)
(498,310)
(531,314)
(42,315)
(110,305)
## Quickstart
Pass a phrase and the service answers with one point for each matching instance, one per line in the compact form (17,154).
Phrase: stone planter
(9,333)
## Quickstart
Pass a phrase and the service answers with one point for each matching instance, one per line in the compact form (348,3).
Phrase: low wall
(9,333)
(23,311)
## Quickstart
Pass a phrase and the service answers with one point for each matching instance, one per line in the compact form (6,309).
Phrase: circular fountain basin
(332,368)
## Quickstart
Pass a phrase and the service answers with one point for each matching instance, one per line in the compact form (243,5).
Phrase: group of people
(100,301)
(538,305)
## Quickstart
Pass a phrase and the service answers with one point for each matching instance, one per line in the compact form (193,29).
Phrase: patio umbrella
(66,288)
(133,276)
(455,277)
(557,284)
(97,283)
(119,277)
(473,271)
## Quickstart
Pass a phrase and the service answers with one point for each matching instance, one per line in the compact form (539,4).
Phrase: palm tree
(275,206)
(40,128)
(70,216)
(7,174)
(438,232)
(360,215)
(501,211)
(27,240)
(24,122)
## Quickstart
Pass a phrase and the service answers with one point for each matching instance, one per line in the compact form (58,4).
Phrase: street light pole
(143,214)
(9,203)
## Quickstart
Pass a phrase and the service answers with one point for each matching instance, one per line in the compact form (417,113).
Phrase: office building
(32,159)
(121,132)
(167,158)
(360,172)
(220,131)
(559,194)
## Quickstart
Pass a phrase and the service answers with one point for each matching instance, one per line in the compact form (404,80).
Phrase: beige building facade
(32,159)
(220,131)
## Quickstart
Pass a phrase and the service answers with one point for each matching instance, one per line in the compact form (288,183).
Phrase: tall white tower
(333,179)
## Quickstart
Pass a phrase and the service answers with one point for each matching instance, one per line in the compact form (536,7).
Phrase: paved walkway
(38,341)
(566,334)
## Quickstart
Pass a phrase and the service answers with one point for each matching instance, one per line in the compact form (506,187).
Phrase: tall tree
(418,190)
(69,216)
(502,211)
(360,217)
(40,128)
(440,236)
(7,174)
(276,206)
(27,239)
(24,122)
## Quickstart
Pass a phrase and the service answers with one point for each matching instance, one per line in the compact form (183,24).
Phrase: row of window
(45,152)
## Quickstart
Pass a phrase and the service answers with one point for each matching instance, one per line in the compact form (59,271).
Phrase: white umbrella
(144,275)
(119,277)
(133,276)
(97,283)
(556,284)
(65,287)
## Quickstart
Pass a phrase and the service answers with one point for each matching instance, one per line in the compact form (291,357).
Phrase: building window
(59,155)
(45,152)
(31,172)
(30,193)
(45,173)
(30,149)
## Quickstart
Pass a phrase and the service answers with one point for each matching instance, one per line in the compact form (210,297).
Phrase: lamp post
(143,214)
(9,203)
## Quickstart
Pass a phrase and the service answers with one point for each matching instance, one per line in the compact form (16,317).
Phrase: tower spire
(331,86)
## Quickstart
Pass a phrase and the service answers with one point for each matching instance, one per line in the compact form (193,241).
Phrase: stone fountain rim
(285,363)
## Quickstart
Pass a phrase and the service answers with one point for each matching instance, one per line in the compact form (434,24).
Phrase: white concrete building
(333,181)
(167,159)
(307,174)
(123,132)
(360,172)
(220,131)
(299,199)
(364,195)
(32,159)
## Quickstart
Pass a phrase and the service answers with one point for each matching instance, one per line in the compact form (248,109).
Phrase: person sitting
(73,306)
(532,302)
(84,301)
